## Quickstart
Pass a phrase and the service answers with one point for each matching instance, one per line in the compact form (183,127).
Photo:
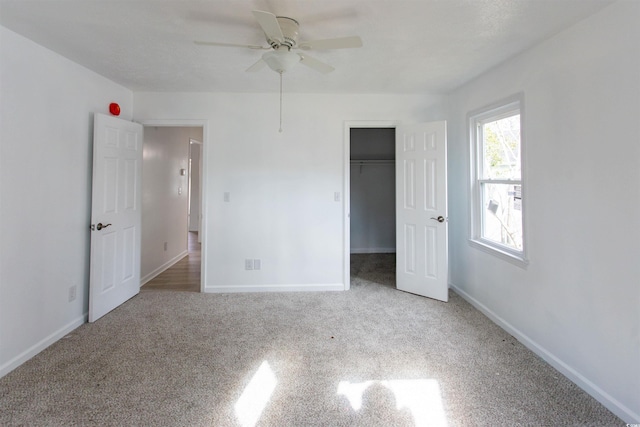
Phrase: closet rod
(373,162)
(363,162)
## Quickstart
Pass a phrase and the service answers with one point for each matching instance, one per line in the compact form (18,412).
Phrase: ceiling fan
(282,36)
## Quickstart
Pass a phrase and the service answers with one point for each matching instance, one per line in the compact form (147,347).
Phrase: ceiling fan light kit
(281,34)
(281,60)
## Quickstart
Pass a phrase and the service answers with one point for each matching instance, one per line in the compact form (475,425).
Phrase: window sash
(480,140)
(501,215)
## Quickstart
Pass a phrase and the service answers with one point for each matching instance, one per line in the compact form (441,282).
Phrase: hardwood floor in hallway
(182,276)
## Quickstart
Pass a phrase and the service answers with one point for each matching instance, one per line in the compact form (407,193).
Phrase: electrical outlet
(72,293)
(336,196)
(166,245)
(256,264)
(248,264)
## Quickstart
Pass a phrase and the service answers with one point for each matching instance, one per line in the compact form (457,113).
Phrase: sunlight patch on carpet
(421,397)
(255,396)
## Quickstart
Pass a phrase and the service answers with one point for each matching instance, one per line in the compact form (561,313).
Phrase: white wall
(165,197)
(46,108)
(281,185)
(373,208)
(577,304)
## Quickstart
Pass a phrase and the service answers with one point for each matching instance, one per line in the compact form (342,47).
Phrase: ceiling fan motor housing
(290,28)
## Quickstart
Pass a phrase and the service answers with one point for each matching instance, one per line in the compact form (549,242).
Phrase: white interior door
(421,210)
(115,214)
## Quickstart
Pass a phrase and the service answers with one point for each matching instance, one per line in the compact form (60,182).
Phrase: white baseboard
(373,250)
(275,288)
(585,384)
(167,265)
(41,345)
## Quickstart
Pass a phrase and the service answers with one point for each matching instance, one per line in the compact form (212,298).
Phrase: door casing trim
(346,190)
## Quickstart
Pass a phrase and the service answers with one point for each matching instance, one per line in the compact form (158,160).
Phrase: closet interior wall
(372,189)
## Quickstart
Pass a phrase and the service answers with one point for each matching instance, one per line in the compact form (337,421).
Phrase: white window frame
(505,108)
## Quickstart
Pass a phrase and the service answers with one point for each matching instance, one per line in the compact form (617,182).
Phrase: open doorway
(172,201)
(371,195)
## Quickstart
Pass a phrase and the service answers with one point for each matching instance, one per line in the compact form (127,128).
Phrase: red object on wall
(114,109)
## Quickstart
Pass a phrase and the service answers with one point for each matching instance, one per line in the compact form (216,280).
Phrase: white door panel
(421,266)
(115,214)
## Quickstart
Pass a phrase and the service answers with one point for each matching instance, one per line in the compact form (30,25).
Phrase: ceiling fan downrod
(280,101)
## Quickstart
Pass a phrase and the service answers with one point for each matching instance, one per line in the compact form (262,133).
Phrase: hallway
(182,276)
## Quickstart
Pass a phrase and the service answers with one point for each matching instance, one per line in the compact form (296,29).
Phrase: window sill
(514,259)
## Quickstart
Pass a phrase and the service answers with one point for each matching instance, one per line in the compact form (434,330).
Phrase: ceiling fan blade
(257,66)
(339,43)
(269,25)
(315,64)
(250,46)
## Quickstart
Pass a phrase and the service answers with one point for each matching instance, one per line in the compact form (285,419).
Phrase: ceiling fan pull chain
(280,101)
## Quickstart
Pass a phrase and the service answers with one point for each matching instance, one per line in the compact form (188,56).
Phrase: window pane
(502,214)
(501,148)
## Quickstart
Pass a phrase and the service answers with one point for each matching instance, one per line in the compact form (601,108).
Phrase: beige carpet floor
(373,356)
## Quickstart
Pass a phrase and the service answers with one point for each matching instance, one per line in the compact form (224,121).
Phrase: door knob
(100,226)
(439,219)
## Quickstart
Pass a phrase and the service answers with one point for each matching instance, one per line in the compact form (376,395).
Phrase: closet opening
(372,194)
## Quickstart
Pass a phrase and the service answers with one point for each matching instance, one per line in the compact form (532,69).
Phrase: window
(497,188)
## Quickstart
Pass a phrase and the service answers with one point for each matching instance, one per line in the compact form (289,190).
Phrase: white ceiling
(410,46)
